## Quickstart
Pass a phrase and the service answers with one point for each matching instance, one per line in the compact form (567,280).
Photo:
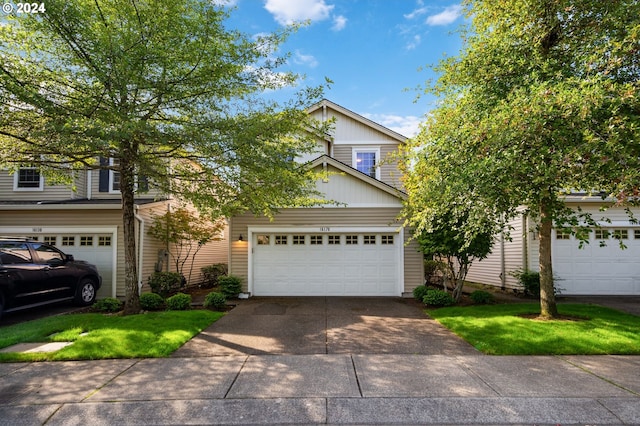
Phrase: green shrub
(211,273)
(438,298)
(230,285)
(215,300)
(432,271)
(108,304)
(481,297)
(165,283)
(419,292)
(178,302)
(151,302)
(529,280)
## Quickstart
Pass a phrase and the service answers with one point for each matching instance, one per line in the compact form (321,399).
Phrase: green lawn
(150,335)
(500,330)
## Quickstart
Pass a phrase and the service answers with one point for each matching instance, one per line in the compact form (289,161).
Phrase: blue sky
(371,49)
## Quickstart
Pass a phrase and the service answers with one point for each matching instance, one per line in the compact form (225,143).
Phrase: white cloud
(339,22)
(415,42)
(445,17)
(289,11)
(408,125)
(224,3)
(308,60)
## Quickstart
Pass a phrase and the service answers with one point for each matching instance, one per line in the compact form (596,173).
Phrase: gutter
(140,245)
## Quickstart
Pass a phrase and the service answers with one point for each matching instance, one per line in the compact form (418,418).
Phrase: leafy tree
(175,98)
(186,233)
(542,100)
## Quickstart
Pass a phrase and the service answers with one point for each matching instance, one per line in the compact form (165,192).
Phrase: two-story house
(87,222)
(354,248)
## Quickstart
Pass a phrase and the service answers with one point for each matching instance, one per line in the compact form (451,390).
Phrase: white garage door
(595,270)
(96,248)
(330,264)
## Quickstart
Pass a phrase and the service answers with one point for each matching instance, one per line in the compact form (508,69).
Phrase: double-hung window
(28,179)
(366,161)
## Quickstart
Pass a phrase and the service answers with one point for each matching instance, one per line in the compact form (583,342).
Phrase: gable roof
(345,168)
(325,103)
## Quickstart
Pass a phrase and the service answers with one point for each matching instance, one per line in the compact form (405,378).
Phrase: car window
(47,253)
(14,253)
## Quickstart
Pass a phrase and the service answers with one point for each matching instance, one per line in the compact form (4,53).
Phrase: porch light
(240,238)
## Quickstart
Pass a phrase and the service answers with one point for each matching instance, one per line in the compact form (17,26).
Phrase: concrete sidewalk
(325,389)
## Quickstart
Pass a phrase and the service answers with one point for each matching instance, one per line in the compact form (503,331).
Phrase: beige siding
(413,264)
(214,252)
(346,129)
(344,188)
(506,257)
(389,172)
(321,217)
(49,192)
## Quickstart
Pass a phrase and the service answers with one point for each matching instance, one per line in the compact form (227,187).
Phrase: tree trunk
(548,308)
(127,185)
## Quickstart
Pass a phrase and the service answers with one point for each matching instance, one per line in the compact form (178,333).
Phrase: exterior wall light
(240,238)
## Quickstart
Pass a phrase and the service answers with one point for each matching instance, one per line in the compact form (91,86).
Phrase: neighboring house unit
(591,270)
(87,223)
(355,248)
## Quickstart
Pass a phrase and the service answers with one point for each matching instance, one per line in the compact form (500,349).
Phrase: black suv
(34,274)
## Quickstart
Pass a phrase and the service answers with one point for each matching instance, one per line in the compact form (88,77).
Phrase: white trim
(367,150)
(111,178)
(33,230)
(367,142)
(329,229)
(16,176)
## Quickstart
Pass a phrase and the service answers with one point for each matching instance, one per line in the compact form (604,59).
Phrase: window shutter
(103,180)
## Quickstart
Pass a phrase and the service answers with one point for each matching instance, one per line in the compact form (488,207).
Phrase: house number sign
(325,229)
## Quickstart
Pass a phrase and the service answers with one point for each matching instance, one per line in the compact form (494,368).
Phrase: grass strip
(149,335)
(508,329)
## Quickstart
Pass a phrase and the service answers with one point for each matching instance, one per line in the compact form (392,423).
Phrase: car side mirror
(69,258)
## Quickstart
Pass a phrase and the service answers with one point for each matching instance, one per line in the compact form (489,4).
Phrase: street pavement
(247,373)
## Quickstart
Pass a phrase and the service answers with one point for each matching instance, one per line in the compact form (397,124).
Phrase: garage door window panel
(281,240)
(263,240)
(86,240)
(49,239)
(104,241)
(386,239)
(315,240)
(621,234)
(601,234)
(369,240)
(334,239)
(68,241)
(351,240)
(298,240)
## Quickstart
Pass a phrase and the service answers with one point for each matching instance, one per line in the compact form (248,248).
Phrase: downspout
(525,242)
(503,276)
(89,183)
(140,246)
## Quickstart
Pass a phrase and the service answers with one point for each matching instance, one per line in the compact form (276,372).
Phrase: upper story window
(366,160)
(28,179)
(114,177)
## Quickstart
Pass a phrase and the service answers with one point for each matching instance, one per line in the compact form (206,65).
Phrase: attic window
(366,161)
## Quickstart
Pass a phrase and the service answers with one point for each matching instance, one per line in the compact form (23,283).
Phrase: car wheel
(86,293)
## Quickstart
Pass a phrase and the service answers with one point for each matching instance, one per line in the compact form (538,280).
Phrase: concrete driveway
(325,325)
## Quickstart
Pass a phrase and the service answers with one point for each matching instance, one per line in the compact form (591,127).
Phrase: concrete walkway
(325,389)
(325,361)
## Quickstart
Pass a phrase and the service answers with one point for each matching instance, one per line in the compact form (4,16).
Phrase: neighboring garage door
(330,264)
(96,248)
(595,270)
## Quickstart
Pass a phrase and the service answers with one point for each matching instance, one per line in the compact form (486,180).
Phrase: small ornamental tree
(185,233)
(449,237)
